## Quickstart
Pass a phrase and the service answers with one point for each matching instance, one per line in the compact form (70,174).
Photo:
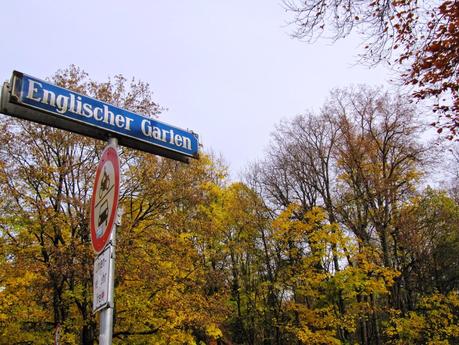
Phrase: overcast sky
(226,69)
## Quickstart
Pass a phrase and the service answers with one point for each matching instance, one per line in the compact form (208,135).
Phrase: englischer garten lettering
(52,105)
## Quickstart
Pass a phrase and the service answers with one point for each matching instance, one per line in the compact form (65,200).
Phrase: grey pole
(106,314)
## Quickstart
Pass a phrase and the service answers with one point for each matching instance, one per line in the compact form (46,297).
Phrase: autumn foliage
(330,239)
(420,39)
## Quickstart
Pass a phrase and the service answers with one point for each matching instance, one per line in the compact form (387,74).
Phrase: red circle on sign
(100,232)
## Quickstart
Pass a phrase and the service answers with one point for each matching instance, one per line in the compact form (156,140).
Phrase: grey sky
(226,69)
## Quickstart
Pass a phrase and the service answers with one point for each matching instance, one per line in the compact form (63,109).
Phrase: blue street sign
(42,102)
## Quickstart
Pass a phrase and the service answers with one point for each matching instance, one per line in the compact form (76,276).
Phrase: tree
(312,292)
(434,322)
(45,191)
(163,289)
(358,160)
(379,162)
(420,36)
(429,245)
(234,218)
(46,261)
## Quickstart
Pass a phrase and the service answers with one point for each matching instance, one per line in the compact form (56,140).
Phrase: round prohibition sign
(104,200)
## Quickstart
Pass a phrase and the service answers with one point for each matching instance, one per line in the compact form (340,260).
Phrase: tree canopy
(421,37)
(332,238)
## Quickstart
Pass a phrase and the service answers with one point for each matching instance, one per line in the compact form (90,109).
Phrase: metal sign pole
(106,314)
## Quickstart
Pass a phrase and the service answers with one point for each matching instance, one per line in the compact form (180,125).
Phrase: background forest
(339,235)
(333,238)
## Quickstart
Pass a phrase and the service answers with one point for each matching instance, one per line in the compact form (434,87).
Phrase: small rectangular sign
(58,107)
(101,283)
